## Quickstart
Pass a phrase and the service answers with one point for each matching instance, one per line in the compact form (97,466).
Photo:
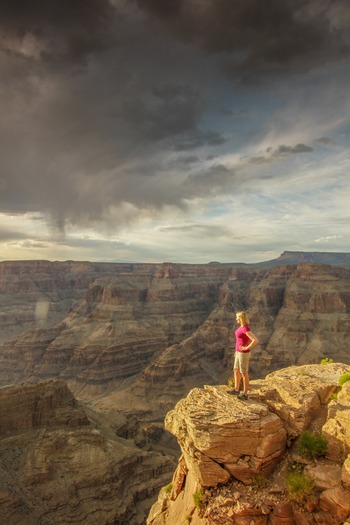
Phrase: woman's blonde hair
(243,316)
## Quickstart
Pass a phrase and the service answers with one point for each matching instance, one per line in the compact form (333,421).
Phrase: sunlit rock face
(57,465)
(144,337)
(236,454)
(218,441)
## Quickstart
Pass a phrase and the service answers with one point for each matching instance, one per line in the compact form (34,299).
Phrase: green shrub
(300,487)
(326,360)
(344,378)
(311,445)
(198,498)
(168,488)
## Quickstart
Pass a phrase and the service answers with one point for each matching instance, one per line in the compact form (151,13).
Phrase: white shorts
(242,361)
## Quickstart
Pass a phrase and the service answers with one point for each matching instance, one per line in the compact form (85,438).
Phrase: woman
(245,341)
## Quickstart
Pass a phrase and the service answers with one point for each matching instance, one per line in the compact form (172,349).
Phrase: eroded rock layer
(143,338)
(58,466)
(37,294)
(237,456)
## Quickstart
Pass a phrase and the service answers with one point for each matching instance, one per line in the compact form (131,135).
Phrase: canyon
(141,338)
(62,463)
(128,341)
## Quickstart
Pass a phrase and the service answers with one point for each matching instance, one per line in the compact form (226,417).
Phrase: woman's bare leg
(245,383)
(237,376)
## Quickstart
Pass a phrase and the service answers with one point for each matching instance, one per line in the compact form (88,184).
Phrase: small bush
(311,445)
(168,488)
(326,360)
(299,486)
(198,498)
(344,378)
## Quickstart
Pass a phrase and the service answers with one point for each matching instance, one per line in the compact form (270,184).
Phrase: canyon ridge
(128,341)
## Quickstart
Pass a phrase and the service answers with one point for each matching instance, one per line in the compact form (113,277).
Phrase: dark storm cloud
(192,159)
(198,138)
(76,142)
(213,181)
(10,235)
(102,99)
(229,113)
(166,111)
(270,35)
(326,141)
(60,28)
(204,230)
(281,151)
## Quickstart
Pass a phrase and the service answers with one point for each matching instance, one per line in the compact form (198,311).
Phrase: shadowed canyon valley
(95,355)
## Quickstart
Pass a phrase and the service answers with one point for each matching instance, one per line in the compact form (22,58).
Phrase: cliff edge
(238,456)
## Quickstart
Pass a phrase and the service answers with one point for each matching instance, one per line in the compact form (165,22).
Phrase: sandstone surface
(236,455)
(220,438)
(59,464)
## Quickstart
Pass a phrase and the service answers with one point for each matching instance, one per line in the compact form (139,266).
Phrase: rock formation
(60,463)
(37,294)
(288,257)
(131,340)
(236,455)
(145,337)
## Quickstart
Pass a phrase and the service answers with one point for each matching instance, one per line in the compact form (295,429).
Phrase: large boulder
(222,436)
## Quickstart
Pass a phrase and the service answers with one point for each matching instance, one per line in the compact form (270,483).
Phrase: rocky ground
(236,455)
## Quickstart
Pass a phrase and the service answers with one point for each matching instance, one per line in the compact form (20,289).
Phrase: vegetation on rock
(344,378)
(300,486)
(311,445)
(198,498)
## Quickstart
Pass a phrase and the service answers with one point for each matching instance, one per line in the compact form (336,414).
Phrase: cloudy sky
(174,130)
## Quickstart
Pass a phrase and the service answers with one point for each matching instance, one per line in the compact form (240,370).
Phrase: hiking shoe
(234,392)
(243,396)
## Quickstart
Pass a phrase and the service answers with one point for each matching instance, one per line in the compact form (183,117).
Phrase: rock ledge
(236,454)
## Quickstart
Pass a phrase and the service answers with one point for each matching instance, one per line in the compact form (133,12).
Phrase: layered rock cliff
(62,464)
(237,456)
(37,294)
(145,337)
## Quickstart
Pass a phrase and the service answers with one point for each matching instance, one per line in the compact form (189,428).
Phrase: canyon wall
(140,340)
(37,294)
(61,463)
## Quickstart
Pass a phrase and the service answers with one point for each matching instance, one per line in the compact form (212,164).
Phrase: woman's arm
(253,341)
